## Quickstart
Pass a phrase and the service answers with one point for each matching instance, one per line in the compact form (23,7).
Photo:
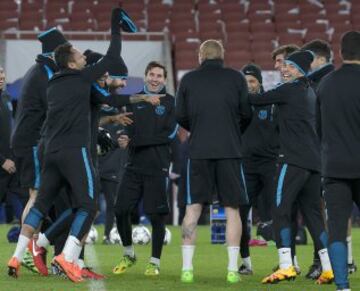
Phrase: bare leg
(32,196)
(190,222)
(189,225)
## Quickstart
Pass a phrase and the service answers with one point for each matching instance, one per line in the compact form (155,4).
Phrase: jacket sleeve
(245,107)
(101,96)
(181,113)
(2,159)
(274,96)
(318,116)
(94,72)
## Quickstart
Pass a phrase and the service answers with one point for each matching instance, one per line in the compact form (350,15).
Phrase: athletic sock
(21,246)
(295,262)
(349,248)
(233,254)
(285,260)
(42,241)
(72,249)
(247,262)
(325,260)
(129,251)
(187,255)
(80,263)
(155,261)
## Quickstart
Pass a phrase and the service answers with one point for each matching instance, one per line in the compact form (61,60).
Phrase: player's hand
(9,166)
(123,118)
(153,99)
(173,176)
(123,141)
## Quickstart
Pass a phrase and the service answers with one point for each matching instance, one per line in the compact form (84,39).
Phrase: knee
(34,218)
(121,213)
(157,220)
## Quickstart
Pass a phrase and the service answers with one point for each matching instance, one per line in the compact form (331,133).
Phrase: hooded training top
(32,105)
(212,104)
(299,142)
(339,118)
(68,95)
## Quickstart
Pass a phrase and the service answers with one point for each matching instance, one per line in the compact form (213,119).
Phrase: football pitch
(210,264)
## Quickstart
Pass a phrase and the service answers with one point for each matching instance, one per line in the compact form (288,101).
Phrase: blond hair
(211,49)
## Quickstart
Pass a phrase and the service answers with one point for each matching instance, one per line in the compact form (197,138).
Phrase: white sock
(349,249)
(21,246)
(187,255)
(42,241)
(285,260)
(155,261)
(233,254)
(80,263)
(129,251)
(247,262)
(295,261)
(72,249)
(325,260)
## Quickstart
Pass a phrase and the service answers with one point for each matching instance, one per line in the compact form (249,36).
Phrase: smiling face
(2,78)
(155,79)
(279,61)
(289,72)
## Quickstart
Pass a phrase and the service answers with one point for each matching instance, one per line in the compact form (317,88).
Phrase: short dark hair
(350,46)
(155,64)
(320,48)
(285,50)
(63,55)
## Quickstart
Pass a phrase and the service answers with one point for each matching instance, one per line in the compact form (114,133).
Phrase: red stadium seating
(243,28)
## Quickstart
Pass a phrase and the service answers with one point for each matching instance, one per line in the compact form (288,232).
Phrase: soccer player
(278,56)
(320,67)
(8,167)
(212,105)
(339,103)
(146,172)
(99,95)
(31,113)
(260,148)
(298,177)
(66,158)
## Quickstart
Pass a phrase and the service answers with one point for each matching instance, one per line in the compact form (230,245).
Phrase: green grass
(209,265)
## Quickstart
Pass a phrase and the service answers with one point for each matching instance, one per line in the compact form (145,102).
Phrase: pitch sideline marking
(91,258)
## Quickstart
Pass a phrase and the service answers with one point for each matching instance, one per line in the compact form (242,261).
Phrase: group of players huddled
(294,148)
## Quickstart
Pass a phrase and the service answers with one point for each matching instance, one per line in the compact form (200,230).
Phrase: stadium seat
(286,38)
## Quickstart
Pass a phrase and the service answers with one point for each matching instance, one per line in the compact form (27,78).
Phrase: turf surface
(209,268)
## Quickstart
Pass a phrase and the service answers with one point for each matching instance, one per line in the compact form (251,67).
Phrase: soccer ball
(141,235)
(115,236)
(167,237)
(92,236)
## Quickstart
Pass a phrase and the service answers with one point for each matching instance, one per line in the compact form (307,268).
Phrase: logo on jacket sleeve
(160,110)
(262,114)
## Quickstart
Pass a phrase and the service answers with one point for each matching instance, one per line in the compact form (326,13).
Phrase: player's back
(339,99)
(216,101)
(31,110)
